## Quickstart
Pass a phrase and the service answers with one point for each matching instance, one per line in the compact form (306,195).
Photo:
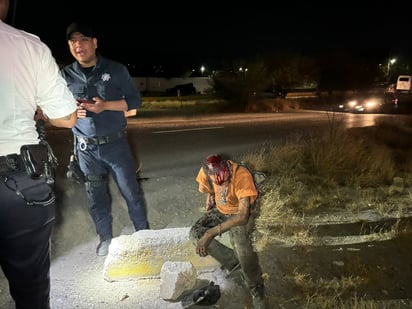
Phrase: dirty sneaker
(103,247)
(258,297)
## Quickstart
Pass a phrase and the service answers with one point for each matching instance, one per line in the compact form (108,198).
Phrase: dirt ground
(77,273)
(382,269)
(294,275)
(379,271)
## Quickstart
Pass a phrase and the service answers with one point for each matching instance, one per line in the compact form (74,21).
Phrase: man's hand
(210,201)
(203,243)
(81,112)
(39,115)
(97,106)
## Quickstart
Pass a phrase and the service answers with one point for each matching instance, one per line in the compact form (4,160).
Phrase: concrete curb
(142,254)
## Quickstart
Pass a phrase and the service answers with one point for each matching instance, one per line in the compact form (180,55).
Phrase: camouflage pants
(240,240)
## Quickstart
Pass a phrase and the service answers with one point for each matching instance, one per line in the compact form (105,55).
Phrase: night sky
(214,32)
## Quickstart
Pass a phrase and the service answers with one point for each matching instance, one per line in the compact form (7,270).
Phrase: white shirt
(29,77)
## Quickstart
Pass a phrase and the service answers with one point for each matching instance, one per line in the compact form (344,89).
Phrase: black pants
(26,223)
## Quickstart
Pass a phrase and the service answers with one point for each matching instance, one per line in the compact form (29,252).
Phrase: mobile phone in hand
(80,101)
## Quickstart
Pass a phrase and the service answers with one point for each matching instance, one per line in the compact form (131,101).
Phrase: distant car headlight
(371,104)
(352,103)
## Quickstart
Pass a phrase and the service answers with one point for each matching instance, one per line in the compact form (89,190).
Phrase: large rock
(176,278)
(142,254)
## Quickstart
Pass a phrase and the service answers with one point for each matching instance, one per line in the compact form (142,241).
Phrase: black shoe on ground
(103,247)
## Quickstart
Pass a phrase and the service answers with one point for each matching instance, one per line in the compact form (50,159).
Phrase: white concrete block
(176,278)
(142,254)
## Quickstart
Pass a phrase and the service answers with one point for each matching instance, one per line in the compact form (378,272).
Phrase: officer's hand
(97,106)
(39,115)
(81,112)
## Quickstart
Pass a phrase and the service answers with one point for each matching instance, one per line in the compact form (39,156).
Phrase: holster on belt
(38,160)
(35,157)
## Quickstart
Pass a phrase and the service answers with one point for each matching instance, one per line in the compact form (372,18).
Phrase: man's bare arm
(240,218)
(65,122)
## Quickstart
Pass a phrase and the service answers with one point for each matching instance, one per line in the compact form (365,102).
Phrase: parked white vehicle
(404,84)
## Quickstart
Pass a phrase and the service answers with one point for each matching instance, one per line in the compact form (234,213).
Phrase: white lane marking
(183,130)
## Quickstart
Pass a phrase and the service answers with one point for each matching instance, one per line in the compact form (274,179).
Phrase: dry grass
(353,171)
(325,293)
(183,105)
(356,169)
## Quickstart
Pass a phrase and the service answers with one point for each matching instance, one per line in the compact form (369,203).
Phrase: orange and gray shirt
(227,196)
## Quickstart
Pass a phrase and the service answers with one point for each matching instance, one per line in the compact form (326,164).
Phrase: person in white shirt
(29,79)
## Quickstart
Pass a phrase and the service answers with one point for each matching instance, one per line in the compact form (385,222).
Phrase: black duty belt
(100,140)
(11,163)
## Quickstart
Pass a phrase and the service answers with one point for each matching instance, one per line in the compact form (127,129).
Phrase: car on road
(370,103)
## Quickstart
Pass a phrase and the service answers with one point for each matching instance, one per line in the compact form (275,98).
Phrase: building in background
(162,85)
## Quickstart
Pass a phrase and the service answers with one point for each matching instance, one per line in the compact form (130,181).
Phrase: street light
(202,69)
(390,62)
